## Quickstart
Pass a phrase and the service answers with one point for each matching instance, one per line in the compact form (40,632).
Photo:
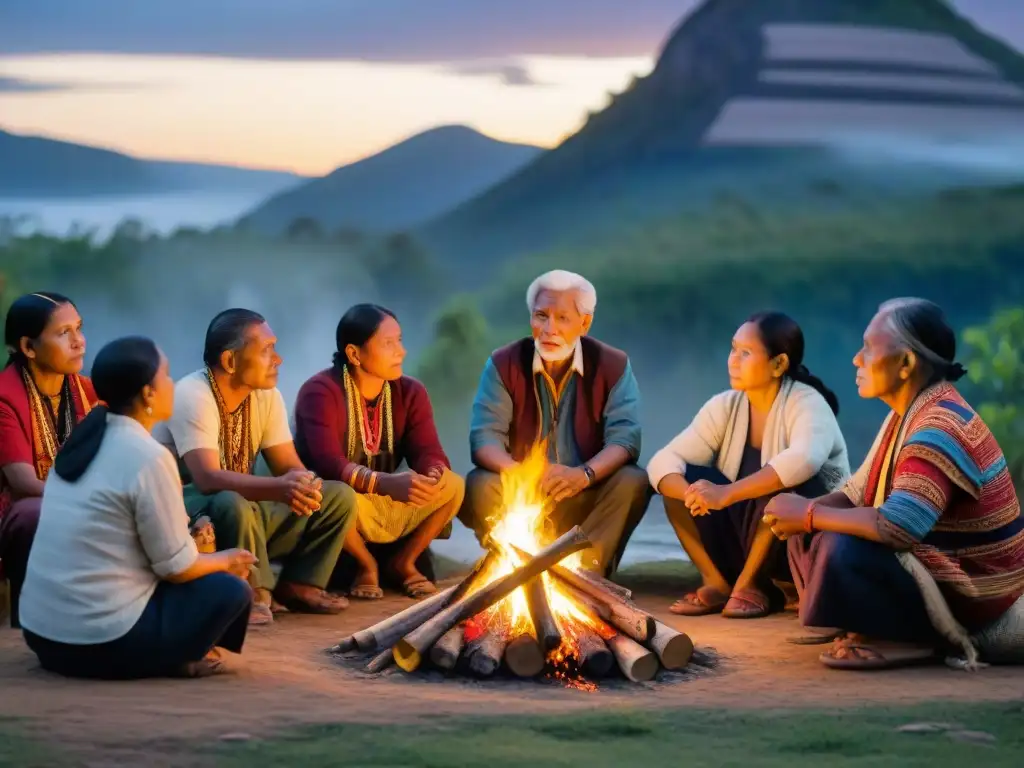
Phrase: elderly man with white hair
(577,396)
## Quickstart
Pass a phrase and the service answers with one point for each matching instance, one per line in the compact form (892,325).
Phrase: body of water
(162,213)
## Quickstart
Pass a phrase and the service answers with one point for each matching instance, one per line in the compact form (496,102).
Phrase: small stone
(236,737)
(972,737)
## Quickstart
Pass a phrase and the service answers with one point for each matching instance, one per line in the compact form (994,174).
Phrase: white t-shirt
(196,420)
(105,541)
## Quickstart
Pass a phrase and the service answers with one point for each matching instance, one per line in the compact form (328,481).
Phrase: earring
(149,411)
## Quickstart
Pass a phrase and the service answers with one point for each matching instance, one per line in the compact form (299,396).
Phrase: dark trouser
(17,531)
(728,534)
(309,546)
(181,623)
(858,586)
(608,512)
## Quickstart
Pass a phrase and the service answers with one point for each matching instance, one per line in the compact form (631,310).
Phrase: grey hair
(226,333)
(920,326)
(560,281)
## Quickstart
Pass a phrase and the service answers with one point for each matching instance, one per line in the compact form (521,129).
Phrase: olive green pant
(308,546)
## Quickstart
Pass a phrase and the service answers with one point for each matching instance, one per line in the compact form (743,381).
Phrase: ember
(531,604)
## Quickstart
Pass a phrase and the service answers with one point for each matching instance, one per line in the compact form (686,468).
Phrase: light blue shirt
(492,412)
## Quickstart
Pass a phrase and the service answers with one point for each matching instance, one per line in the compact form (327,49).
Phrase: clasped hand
(560,482)
(703,497)
(301,490)
(786,515)
(412,487)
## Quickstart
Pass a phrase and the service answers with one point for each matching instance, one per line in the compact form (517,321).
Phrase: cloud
(509,73)
(22,85)
(374,30)
(19,85)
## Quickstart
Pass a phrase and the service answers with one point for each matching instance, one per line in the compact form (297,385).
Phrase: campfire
(531,603)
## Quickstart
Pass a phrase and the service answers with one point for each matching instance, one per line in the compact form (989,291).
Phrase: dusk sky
(308,85)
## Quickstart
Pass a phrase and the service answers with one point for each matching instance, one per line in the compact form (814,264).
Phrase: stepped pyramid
(765,88)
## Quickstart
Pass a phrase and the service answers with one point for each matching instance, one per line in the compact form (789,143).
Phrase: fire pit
(529,603)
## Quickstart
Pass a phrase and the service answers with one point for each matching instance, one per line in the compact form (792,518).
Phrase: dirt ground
(285,678)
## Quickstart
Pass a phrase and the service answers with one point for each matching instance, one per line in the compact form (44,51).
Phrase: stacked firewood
(455,631)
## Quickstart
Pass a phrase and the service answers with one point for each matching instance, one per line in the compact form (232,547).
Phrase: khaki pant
(607,512)
(382,520)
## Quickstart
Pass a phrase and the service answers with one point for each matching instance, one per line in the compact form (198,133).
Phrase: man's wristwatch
(589,473)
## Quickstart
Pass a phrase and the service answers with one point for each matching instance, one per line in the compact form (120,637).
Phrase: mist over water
(162,213)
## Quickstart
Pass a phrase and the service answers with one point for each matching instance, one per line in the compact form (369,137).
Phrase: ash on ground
(706,661)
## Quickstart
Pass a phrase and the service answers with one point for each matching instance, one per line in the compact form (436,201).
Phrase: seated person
(924,546)
(115,585)
(226,414)
(42,396)
(774,429)
(357,422)
(577,395)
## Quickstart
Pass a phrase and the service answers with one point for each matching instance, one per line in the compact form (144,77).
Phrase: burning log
(445,652)
(625,617)
(483,654)
(595,660)
(524,656)
(636,662)
(616,610)
(599,582)
(543,620)
(380,662)
(384,633)
(674,648)
(409,651)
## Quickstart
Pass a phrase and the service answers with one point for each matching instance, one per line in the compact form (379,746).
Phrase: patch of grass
(18,749)
(864,736)
(660,577)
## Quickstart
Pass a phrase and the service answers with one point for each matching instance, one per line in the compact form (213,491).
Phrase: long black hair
(920,325)
(120,372)
(226,332)
(781,334)
(357,327)
(29,316)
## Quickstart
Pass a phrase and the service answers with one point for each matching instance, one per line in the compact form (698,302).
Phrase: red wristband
(809,516)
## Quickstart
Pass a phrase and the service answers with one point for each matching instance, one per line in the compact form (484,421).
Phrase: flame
(522,522)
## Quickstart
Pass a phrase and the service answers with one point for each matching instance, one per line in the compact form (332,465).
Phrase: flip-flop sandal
(276,607)
(419,586)
(871,656)
(260,615)
(823,639)
(746,604)
(704,602)
(320,602)
(366,592)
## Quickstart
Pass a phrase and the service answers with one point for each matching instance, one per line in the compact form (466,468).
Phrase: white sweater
(801,439)
(105,541)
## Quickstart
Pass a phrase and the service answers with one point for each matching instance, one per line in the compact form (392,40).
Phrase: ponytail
(804,376)
(781,335)
(82,445)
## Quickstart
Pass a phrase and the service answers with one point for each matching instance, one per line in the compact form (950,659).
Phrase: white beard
(560,355)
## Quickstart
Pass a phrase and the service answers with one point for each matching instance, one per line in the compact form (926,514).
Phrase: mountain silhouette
(401,187)
(768,101)
(32,166)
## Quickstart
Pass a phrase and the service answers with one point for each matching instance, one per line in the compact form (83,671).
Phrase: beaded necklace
(234,441)
(371,424)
